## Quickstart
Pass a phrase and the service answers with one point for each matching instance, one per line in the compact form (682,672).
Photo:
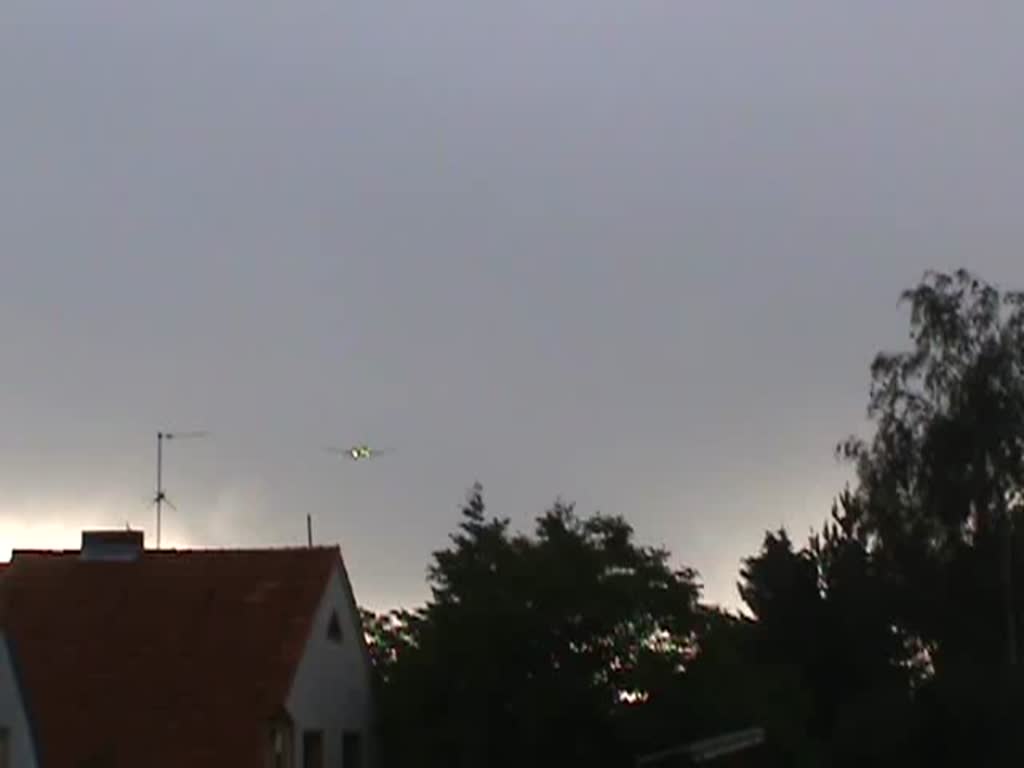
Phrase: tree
(934,514)
(388,636)
(532,649)
(877,642)
(939,484)
(821,615)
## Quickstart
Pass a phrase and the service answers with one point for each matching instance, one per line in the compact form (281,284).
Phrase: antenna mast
(161,497)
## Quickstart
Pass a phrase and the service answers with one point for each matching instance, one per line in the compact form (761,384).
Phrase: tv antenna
(161,497)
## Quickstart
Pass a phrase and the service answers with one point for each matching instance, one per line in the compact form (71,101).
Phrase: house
(201,658)
(17,746)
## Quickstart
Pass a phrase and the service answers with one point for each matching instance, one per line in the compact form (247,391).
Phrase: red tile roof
(176,659)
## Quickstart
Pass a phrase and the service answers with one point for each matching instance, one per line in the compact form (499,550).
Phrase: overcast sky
(635,253)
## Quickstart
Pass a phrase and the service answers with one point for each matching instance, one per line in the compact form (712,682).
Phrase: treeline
(891,637)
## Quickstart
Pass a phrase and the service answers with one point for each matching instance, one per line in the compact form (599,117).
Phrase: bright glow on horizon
(15,535)
(53,525)
(47,532)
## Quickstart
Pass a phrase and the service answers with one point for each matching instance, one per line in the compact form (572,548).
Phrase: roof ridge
(322,548)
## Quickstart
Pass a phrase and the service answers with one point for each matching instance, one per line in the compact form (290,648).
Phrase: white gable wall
(13,717)
(332,689)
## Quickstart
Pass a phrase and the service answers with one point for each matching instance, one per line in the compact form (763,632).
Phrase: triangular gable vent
(334,633)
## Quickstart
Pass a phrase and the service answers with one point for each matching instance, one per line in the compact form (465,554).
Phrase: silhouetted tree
(821,622)
(939,484)
(933,515)
(889,638)
(533,647)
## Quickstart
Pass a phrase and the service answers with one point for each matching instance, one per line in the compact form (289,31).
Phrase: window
(352,750)
(313,749)
(280,746)
(5,748)
(334,633)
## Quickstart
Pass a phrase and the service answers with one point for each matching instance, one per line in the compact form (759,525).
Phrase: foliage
(939,485)
(891,637)
(532,646)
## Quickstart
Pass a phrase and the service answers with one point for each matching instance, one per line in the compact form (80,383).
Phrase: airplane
(358,452)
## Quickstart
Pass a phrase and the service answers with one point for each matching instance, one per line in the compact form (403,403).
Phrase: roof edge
(24,696)
(346,585)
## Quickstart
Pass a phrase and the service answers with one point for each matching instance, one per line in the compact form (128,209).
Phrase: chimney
(112,546)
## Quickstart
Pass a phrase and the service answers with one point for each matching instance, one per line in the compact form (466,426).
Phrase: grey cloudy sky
(638,253)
